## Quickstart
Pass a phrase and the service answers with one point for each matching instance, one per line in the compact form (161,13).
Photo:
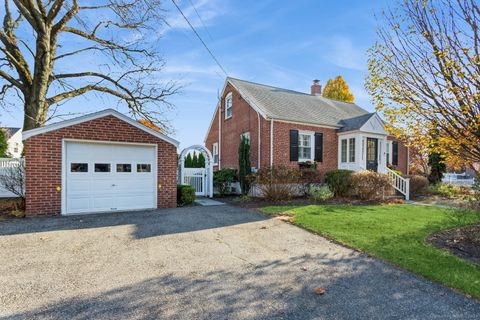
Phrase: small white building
(14,140)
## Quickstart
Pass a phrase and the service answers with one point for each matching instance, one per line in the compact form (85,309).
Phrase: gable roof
(10,131)
(355,123)
(283,104)
(91,116)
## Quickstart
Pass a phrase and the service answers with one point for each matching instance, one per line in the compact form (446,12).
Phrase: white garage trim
(92,116)
(64,168)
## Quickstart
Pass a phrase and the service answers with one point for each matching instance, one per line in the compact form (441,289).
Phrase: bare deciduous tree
(425,73)
(46,50)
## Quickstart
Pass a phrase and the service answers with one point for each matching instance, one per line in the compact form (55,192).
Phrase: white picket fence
(400,183)
(458,179)
(5,164)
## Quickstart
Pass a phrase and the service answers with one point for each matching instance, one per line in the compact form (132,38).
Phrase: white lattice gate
(196,177)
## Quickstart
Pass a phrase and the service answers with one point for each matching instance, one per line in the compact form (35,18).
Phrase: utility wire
(201,20)
(201,40)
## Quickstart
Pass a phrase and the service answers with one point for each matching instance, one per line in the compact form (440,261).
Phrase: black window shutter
(318,146)
(395,153)
(293,145)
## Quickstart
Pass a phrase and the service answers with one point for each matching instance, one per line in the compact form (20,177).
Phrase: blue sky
(281,43)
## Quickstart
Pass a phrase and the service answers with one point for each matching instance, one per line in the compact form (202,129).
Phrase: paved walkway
(208,202)
(217,262)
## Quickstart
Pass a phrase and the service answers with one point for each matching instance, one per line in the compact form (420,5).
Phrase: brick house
(287,127)
(100,162)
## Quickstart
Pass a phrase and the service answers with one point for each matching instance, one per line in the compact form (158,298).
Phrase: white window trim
(215,153)
(341,150)
(312,146)
(349,155)
(228,97)
(348,150)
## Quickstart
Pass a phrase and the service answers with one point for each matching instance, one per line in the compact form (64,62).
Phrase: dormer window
(228,106)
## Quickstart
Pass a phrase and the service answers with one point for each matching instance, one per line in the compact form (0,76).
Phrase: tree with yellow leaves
(338,89)
(150,124)
(424,75)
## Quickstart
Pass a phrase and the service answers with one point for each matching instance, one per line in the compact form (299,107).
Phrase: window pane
(304,153)
(344,150)
(352,150)
(124,167)
(79,167)
(144,167)
(102,167)
(371,150)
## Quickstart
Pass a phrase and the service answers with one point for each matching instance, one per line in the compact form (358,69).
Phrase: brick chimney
(316,88)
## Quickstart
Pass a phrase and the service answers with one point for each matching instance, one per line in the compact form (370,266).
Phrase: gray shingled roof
(355,123)
(10,131)
(284,104)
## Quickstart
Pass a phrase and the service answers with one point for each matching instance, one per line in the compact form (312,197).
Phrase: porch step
(208,202)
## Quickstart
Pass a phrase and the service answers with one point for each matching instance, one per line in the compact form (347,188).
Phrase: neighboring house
(14,140)
(287,127)
(100,162)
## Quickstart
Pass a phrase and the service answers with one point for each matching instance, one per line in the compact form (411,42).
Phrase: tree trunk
(36,106)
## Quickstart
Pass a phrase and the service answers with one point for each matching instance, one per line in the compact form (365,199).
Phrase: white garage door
(109,177)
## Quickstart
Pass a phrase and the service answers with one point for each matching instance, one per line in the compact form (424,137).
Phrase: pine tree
(338,89)
(201,160)
(194,160)
(437,167)
(188,161)
(3,144)
(244,165)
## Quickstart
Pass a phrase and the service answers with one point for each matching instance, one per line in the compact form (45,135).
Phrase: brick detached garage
(99,162)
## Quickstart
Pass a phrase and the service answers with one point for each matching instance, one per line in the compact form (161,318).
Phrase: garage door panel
(109,191)
(134,201)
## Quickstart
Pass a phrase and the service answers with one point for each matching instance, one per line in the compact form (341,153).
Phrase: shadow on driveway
(147,223)
(275,289)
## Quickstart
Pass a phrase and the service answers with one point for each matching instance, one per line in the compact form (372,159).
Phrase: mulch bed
(255,203)
(9,206)
(463,242)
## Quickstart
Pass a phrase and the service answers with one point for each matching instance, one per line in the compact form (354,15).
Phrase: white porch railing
(400,183)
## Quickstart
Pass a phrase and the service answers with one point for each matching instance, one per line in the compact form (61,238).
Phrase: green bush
(222,180)
(319,193)
(278,182)
(185,195)
(418,185)
(369,185)
(444,190)
(339,182)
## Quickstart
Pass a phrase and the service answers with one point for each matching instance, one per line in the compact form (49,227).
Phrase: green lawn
(395,233)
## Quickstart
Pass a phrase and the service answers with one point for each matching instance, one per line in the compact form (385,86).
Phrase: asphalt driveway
(201,263)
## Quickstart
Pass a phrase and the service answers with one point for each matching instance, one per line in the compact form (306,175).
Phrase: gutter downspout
(259,143)
(271,143)
(219,136)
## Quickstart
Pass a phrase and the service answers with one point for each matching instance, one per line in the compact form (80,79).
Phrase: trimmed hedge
(339,182)
(185,195)
(418,185)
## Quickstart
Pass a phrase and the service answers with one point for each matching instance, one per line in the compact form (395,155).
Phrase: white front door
(102,177)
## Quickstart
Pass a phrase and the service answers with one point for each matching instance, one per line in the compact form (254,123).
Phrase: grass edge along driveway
(395,233)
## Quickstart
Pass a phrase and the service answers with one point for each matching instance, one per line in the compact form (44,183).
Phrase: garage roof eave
(92,116)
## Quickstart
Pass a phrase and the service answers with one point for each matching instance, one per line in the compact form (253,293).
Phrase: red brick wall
(43,156)
(281,145)
(244,119)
